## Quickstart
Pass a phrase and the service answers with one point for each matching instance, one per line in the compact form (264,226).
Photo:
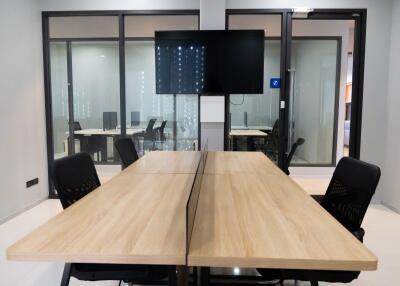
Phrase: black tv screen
(209,62)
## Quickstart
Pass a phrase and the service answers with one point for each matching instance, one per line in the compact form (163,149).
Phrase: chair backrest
(163,124)
(127,151)
(77,126)
(299,141)
(150,125)
(275,134)
(350,191)
(74,177)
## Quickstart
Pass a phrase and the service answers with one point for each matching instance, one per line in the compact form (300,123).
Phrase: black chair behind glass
(272,142)
(127,151)
(347,199)
(161,131)
(289,158)
(148,136)
(74,177)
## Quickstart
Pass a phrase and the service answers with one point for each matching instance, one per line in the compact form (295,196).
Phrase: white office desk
(113,132)
(247,132)
(252,127)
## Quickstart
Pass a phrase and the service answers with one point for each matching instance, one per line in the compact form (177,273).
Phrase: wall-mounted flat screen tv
(209,62)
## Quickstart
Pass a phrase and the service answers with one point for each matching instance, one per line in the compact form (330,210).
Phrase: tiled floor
(381,224)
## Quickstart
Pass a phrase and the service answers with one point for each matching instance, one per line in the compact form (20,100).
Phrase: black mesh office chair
(161,131)
(74,177)
(127,151)
(289,158)
(272,142)
(149,135)
(347,199)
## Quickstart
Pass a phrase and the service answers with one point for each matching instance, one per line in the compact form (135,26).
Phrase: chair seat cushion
(95,272)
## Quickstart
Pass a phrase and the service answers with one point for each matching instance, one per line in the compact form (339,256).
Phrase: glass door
(96,98)
(317,71)
(62,141)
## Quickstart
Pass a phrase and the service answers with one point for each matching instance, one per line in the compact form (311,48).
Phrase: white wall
(22,124)
(212,109)
(390,181)
(53,5)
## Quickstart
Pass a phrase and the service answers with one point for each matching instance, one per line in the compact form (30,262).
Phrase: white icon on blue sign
(275,83)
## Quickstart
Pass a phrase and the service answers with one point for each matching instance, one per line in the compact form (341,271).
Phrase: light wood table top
(220,162)
(167,162)
(264,219)
(132,219)
(247,132)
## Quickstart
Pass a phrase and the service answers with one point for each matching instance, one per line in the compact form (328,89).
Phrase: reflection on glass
(315,87)
(187,121)
(59,93)
(257,114)
(175,126)
(95,72)
(180,68)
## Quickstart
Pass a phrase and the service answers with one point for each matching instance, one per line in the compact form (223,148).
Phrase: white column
(212,108)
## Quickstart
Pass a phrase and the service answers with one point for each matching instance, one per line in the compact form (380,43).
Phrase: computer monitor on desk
(135,118)
(110,120)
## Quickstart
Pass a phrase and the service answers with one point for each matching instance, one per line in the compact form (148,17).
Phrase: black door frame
(360,18)
(121,40)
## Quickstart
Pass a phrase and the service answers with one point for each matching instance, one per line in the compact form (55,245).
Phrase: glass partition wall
(254,118)
(177,115)
(101,82)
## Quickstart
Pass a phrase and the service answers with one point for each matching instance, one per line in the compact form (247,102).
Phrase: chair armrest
(318,198)
(359,234)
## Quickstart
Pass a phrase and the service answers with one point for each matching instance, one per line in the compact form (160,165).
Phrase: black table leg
(182,275)
(172,277)
(66,275)
(204,273)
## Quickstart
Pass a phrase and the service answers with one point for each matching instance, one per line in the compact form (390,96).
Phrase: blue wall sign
(275,83)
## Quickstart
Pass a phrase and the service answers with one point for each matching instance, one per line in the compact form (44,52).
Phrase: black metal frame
(359,16)
(121,41)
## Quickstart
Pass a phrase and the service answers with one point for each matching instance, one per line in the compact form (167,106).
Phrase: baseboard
(392,208)
(376,202)
(34,204)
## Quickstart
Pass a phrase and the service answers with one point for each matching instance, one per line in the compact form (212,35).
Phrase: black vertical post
(66,274)
(198,124)
(122,86)
(175,127)
(71,141)
(47,99)
(227,124)
(286,42)
(358,85)
(227,111)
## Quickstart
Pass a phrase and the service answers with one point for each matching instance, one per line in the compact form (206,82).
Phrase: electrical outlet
(32,182)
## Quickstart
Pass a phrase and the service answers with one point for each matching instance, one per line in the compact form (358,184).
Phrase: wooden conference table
(239,210)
